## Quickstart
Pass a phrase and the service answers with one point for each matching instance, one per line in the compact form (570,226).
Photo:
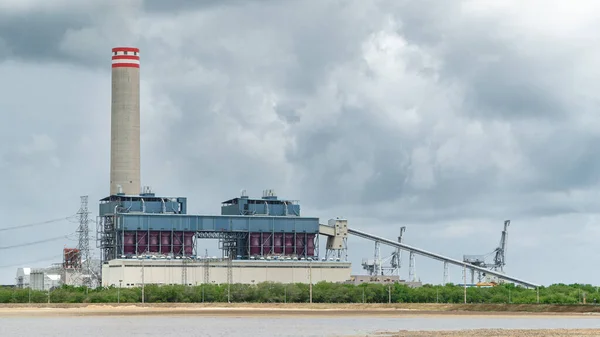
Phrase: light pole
(119,292)
(310,280)
(143,284)
(465,281)
(142,263)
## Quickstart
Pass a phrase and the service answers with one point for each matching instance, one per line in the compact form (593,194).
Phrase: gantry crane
(499,257)
(377,267)
(396,261)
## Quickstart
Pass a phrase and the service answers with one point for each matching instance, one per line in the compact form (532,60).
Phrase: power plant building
(146,238)
(150,239)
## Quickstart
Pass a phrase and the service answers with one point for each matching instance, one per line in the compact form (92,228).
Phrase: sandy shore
(260,309)
(279,310)
(494,333)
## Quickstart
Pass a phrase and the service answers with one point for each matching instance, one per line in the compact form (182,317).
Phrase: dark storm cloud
(506,85)
(512,88)
(501,79)
(36,35)
(66,33)
(499,82)
(289,111)
(576,167)
(162,7)
(234,68)
(332,153)
(297,56)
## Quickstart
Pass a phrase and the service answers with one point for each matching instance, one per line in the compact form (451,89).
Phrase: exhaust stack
(125,122)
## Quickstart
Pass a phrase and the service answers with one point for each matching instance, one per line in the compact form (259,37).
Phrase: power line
(37,242)
(36,223)
(31,261)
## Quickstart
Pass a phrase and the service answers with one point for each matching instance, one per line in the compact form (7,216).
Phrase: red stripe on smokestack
(125,65)
(126,57)
(137,50)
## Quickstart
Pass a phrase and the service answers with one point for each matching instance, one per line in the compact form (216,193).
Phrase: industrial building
(39,278)
(247,228)
(69,272)
(22,279)
(147,238)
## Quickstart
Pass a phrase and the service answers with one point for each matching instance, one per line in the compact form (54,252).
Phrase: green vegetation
(299,293)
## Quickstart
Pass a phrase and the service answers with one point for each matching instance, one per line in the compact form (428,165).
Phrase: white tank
(125,122)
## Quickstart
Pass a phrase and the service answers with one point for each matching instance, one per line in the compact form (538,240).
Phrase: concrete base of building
(133,273)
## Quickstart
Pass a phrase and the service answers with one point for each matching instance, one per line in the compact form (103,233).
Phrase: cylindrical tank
(289,243)
(310,244)
(165,242)
(142,242)
(177,243)
(267,243)
(125,122)
(154,242)
(188,243)
(129,242)
(254,243)
(300,244)
(278,238)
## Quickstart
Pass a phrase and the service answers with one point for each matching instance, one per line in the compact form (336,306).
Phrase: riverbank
(294,309)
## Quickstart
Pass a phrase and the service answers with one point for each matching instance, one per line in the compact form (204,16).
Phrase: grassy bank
(496,298)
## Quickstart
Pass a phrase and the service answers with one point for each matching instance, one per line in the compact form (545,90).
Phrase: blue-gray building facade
(248,228)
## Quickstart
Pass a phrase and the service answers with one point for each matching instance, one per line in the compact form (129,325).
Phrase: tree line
(323,292)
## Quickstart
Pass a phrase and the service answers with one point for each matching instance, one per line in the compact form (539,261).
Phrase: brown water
(246,326)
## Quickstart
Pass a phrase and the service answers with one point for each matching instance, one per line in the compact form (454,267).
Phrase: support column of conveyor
(334,233)
(337,235)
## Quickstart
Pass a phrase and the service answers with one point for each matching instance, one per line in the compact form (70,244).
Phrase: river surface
(263,326)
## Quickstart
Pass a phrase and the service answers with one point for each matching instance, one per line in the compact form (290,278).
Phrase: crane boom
(500,257)
(499,254)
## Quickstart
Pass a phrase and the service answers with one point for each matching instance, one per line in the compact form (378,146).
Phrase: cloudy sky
(447,117)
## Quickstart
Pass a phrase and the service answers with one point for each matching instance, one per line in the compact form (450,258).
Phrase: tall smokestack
(125,122)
